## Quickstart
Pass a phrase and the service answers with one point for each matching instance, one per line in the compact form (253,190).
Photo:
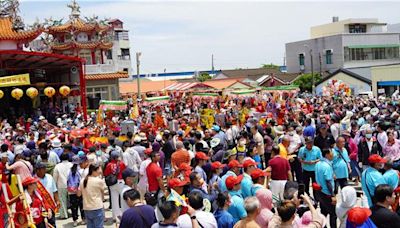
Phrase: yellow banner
(15,80)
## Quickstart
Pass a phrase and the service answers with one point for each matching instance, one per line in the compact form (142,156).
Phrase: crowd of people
(272,162)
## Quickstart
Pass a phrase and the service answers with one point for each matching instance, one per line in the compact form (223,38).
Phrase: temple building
(26,75)
(102,44)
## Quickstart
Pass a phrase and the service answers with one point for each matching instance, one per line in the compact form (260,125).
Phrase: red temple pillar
(93,57)
(82,83)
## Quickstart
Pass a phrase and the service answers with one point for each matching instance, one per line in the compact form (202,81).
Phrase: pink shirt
(392,151)
(22,168)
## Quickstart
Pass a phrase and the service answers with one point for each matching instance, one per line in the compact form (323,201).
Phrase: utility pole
(320,64)
(312,72)
(138,54)
(212,64)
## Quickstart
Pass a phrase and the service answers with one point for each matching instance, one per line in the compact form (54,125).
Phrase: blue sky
(182,35)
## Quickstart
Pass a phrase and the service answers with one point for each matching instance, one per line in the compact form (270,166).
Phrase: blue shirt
(224,219)
(309,131)
(324,174)
(257,159)
(201,172)
(11,157)
(340,161)
(309,155)
(222,186)
(246,185)
(391,178)
(237,206)
(370,179)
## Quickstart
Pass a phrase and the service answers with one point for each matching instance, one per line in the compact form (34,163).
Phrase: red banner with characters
(48,200)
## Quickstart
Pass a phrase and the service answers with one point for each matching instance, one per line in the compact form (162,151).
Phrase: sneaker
(83,222)
(75,223)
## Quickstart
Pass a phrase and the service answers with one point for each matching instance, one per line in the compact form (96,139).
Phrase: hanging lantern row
(32,92)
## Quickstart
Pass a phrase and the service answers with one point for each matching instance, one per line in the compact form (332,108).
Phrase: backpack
(73,182)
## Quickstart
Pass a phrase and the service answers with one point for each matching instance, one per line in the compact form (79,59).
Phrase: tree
(203,76)
(270,66)
(305,81)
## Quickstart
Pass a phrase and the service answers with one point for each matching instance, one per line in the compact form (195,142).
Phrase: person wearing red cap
(258,179)
(371,177)
(382,216)
(234,170)
(183,171)
(236,209)
(359,217)
(34,200)
(248,165)
(215,180)
(201,160)
(175,191)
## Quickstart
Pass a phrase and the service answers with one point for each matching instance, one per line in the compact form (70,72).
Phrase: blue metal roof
(389,83)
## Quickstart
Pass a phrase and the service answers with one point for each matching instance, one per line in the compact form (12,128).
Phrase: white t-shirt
(124,205)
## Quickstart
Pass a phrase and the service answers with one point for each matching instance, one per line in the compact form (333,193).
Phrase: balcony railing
(100,68)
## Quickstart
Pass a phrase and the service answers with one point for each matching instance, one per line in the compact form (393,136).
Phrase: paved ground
(68,223)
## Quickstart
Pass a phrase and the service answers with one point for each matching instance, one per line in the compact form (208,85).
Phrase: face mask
(368,136)
(242,142)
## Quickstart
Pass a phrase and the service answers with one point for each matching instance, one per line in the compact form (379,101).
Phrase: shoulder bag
(112,178)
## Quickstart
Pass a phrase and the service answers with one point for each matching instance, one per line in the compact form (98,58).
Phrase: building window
(357,54)
(378,53)
(98,92)
(125,54)
(109,54)
(328,56)
(121,36)
(301,59)
(357,28)
(87,56)
(125,69)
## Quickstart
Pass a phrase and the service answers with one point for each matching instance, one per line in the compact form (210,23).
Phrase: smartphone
(301,190)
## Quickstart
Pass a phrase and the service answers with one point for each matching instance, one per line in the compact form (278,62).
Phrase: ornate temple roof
(8,33)
(82,45)
(77,24)
(106,76)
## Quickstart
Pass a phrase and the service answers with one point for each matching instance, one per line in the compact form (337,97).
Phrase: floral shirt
(392,151)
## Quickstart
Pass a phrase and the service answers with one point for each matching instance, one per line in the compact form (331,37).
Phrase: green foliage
(204,76)
(270,66)
(305,81)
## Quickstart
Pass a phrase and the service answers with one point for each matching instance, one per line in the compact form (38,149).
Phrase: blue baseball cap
(216,128)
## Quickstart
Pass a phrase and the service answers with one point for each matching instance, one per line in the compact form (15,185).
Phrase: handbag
(151,198)
(112,178)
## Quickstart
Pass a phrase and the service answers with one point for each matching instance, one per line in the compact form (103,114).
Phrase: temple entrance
(45,70)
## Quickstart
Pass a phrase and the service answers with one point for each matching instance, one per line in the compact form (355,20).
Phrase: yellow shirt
(283,151)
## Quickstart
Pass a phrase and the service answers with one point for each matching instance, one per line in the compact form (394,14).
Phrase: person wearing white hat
(138,147)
